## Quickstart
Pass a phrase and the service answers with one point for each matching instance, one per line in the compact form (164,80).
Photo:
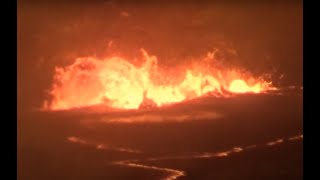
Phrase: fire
(240,86)
(118,83)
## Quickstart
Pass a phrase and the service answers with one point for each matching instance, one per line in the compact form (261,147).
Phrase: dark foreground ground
(45,153)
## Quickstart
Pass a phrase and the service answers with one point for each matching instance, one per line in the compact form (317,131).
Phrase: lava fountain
(119,83)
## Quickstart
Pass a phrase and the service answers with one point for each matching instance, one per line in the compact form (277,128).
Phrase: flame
(118,83)
(240,86)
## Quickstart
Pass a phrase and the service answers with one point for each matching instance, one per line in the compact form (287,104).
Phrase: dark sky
(265,36)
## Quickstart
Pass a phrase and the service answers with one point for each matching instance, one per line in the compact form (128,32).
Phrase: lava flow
(176,173)
(118,83)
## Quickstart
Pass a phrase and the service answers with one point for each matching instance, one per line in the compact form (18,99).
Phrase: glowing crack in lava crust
(119,83)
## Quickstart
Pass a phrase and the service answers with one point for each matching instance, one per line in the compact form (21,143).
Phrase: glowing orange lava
(118,83)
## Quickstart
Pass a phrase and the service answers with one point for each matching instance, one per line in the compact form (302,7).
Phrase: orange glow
(117,83)
(279,141)
(240,86)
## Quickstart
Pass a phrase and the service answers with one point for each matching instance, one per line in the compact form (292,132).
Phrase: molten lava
(118,83)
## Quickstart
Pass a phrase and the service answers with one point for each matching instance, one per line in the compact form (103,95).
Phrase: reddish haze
(260,37)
